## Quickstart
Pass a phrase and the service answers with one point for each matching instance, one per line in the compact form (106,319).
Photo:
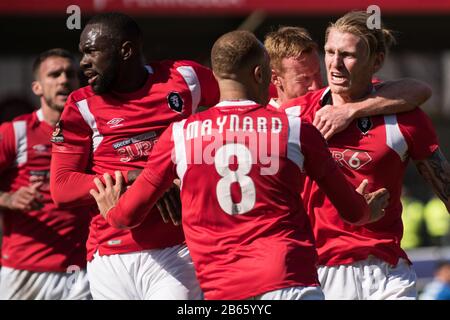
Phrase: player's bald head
(235,51)
(116,26)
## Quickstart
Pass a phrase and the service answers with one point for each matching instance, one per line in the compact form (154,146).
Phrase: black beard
(105,80)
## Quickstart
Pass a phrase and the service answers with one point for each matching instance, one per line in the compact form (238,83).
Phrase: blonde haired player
(295,66)
(367,262)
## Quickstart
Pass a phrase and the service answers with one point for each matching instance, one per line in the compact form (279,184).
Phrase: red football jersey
(241,168)
(48,239)
(375,148)
(116,131)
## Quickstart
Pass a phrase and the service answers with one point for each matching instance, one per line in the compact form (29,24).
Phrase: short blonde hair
(355,22)
(288,42)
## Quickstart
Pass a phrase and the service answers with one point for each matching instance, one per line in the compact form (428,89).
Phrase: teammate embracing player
(241,167)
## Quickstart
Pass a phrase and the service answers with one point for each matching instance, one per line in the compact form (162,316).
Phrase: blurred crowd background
(186,29)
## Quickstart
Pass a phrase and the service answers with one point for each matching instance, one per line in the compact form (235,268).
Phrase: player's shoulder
(18,126)
(413,117)
(175,65)
(27,117)
(189,63)
(200,116)
(81,94)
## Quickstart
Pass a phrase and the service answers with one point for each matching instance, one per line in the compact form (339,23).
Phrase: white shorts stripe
(20,132)
(193,83)
(90,120)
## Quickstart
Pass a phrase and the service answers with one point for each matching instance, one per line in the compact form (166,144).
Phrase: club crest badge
(175,101)
(57,135)
(364,124)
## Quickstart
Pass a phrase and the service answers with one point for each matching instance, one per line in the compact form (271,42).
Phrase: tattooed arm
(436,170)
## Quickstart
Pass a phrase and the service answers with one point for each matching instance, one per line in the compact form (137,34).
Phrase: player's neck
(339,99)
(234,91)
(282,97)
(51,116)
(131,80)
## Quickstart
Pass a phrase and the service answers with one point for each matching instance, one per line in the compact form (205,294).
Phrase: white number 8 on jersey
(223,189)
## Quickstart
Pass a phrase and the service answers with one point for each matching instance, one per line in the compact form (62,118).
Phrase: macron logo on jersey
(116,122)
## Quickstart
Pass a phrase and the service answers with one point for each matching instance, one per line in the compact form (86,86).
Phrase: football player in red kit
(113,124)
(241,167)
(43,250)
(367,262)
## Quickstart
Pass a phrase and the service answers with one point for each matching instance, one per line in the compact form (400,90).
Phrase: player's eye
(54,74)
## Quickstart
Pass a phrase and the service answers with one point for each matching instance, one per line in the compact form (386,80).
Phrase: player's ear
(258,74)
(127,50)
(379,60)
(275,79)
(36,87)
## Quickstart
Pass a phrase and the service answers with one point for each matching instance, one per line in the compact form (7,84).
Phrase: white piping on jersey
(193,83)
(394,137)
(294,151)
(237,103)
(325,92)
(88,117)
(180,149)
(40,115)
(274,103)
(20,133)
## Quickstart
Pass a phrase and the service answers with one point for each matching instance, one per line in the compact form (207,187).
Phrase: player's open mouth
(92,76)
(92,79)
(63,93)
(337,78)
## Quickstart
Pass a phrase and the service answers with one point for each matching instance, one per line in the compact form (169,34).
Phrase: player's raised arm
(390,97)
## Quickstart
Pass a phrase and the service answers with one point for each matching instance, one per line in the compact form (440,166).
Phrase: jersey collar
(326,97)
(236,103)
(274,103)
(40,115)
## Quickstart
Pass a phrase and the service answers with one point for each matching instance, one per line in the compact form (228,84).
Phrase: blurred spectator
(12,107)
(439,288)
(413,222)
(437,221)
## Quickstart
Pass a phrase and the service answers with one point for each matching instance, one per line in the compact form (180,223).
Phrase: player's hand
(169,205)
(107,195)
(132,175)
(330,120)
(377,200)
(24,199)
